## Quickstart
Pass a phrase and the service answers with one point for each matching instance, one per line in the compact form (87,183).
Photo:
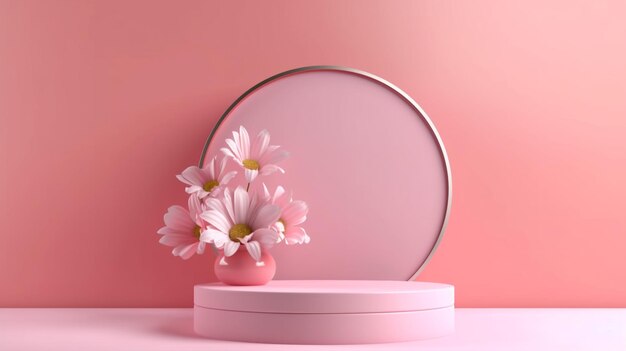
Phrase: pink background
(103,102)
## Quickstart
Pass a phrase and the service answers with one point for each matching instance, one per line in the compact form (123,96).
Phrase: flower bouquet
(241,223)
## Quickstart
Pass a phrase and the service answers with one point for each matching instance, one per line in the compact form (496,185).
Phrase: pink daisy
(257,157)
(183,228)
(207,180)
(292,214)
(240,219)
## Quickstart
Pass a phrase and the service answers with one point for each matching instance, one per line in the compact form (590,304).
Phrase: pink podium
(324,311)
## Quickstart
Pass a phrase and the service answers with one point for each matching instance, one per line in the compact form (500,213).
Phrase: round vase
(241,269)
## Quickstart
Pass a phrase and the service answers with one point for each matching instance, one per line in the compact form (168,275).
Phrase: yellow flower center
(197,231)
(208,186)
(251,164)
(238,231)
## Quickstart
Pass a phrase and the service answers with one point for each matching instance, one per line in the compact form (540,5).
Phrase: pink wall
(103,102)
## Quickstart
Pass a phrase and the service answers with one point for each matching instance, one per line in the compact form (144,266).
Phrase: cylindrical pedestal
(324,312)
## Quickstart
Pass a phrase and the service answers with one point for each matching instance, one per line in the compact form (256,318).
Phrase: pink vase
(241,269)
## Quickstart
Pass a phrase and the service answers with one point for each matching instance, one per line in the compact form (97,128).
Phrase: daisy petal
(270,169)
(176,240)
(228,203)
(246,238)
(266,237)
(281,237)
(261,143)
(210,169)
(227,177)
(183,179)
(197,189)
(223,164)
(201,246)
(244,139)
(266,216)
(195,208)
(295,235)
(230,248)
(178,218)
(250,174)
(164,230)
(255,201)
(227,152)
(278,226)
(212,203)
(280,191)
(215,192)
(214,237)
(273,155)
(266,192)
(233,148)
(237,142)
(194,175)
(295,212)
(185,252)
(254,249)
(241,204)
(217,219)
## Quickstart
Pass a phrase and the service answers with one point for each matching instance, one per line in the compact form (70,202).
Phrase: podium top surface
(326,296)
